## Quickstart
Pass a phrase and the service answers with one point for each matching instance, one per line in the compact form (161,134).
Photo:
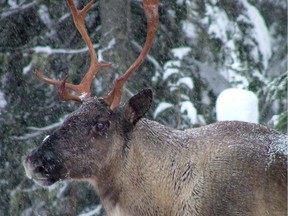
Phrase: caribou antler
(83,89)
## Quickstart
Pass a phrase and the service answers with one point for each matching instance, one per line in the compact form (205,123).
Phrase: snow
(43,49)
(170,68)
(179,2)
(237,104)
(13,3)
(3,102)
(170,71)
(189,29)
(222,27)
(110,45)
(83,96)
(181,52)
(220,22)
(27,68)
(161,107)
(45,138)
(280,146)
(274,120)
(187,81)
(48,50)
(260,33)
(172,13)
(187,106)
(44,15)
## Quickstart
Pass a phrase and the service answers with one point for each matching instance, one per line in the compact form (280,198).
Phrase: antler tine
(151,10)
(84,88)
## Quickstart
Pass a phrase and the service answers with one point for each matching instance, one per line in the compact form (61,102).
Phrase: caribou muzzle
(43,166)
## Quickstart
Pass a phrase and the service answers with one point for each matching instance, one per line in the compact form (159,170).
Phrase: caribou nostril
(40,169)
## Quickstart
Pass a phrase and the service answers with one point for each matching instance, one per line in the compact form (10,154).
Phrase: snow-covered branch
(149,57)
(38,131)
(46,128)
(48,50)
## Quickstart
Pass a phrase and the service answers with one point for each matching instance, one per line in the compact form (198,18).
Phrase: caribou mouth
(44,182)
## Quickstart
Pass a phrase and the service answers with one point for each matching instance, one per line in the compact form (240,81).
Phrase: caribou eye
(101,126)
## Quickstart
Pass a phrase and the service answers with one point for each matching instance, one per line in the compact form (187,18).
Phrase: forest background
(201,48)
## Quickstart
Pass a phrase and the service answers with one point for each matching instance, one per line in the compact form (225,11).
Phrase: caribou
(140,167)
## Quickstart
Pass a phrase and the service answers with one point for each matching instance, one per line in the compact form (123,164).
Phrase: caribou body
(140,167)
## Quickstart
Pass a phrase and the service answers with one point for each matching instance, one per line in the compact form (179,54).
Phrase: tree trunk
(115,27)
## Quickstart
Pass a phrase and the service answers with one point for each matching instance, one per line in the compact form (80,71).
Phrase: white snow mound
(237,104)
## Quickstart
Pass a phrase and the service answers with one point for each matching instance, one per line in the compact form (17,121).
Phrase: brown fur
(144,168)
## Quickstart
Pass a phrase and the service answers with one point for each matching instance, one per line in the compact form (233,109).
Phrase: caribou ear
(137,106)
